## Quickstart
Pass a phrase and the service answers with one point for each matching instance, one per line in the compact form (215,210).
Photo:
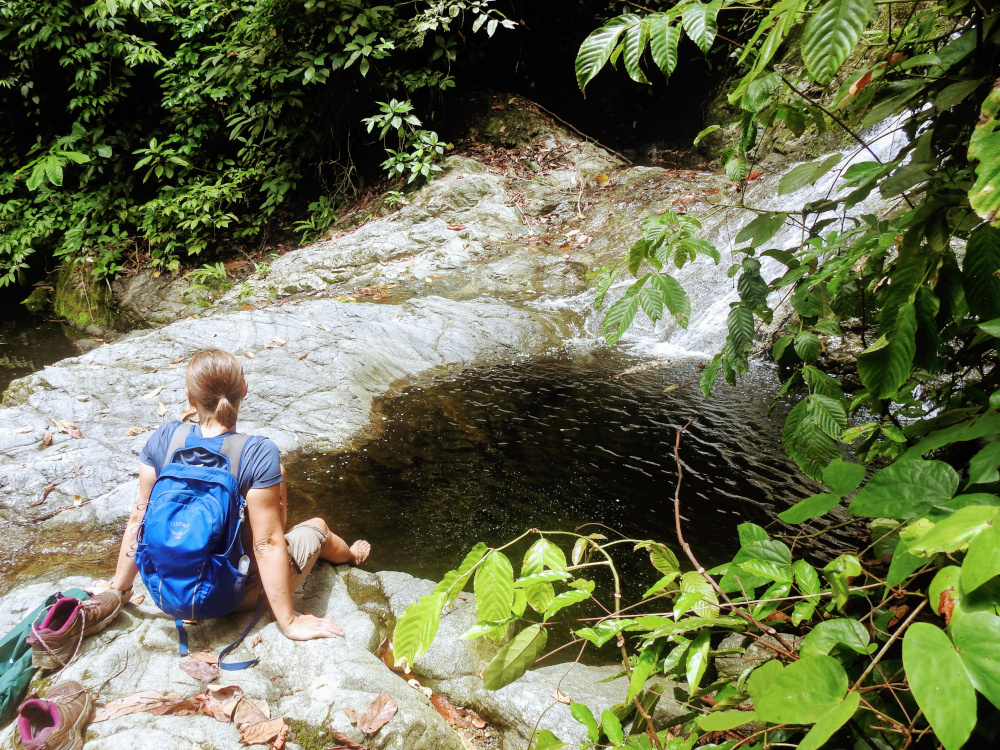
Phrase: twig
(892,639)
(785,647)
(582,134)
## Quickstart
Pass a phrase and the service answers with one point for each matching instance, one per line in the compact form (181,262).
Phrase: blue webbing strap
(234,644)
(182,636)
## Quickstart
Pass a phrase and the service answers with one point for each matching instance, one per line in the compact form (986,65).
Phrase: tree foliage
(150,127)
(896,644)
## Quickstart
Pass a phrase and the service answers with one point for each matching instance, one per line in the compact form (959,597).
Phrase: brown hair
(214,380)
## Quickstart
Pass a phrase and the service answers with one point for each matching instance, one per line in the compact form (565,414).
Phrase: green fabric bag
(15,658)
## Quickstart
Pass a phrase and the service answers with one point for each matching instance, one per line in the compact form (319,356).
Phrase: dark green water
(555,443)
(28,343)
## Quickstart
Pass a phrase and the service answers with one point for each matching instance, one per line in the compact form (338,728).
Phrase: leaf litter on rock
(377,714)
(200,669)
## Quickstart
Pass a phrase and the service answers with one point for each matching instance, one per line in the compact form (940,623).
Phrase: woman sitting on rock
(278,562)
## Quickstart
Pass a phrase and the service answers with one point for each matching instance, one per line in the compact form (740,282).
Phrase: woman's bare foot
(360,550)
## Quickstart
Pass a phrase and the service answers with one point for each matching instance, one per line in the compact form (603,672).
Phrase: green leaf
(821,640)
(831,33)
(808,346)
(416,629)
(514,658)
(979,269)
(597,48)
(674,297)
(699,21)
(708,375)
(567,598)
(603,284)
(583,715)
(736,167)
(838,572)
(801,693)
(661,557)
(694,582)
(740,325)
(494,587)
(543,555)
(636,38)
(939,684)
(663,38)
(953,532)
(454,580)
(643,669)
(825,728)
(612,728)
(946,581)
(843,477)
(54,171)
(761,229)
(982,562)
(984,147)
(767,569)
(828,414)
(811,507)
(806,174)
(603,631)
(977,639)
(906,489)
(545,740)
(807,580)
(723,721)
(620,316)
(697,658)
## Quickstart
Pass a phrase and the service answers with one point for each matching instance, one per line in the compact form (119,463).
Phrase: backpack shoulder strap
(232,448)
(177,440)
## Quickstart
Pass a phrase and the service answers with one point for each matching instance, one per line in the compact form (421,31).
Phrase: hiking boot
(55,640)
(57,721)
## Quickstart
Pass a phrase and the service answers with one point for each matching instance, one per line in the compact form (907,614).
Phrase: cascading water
(708,285)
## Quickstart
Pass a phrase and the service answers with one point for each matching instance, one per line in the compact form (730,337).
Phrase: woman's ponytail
(214,380)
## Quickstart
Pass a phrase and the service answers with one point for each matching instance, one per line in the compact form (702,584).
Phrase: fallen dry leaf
(565,256)
(377,715)
(248,355)
(478,723)
(345,742)
(275,343)
(560,696)
(74,432)
(177,706)
(77,501)
(247,307)
(44,495)
(133,431)
(262,732)
(352,716)
(161,409)
(256,641)
(144,700)
(415,684)
(154,392)
(83,398)
(303,356)
(221,702)
(199,669)
(437,276)
(251,711)
(466,742)
(860,83)
(177,361)
(47,438)
(190,414)
(444,707)
(601,178)
(456,227)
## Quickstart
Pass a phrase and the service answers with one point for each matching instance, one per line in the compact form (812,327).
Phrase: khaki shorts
(305,541)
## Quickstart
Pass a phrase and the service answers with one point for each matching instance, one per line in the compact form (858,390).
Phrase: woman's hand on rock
(307,627)
(99,587)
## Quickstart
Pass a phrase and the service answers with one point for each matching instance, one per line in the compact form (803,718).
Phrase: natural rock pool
(554,442)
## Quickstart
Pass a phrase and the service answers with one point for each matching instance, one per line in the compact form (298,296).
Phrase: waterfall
(709,287)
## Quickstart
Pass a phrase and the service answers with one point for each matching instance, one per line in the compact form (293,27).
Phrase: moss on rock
(308,736)
(82,299)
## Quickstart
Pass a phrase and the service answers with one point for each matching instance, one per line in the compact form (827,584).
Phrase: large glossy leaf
(697,658)
(674,297)
(494,587)
(801,693)
(543,555)
(597,48)
(977,638)
(824,728)
(951,533)
(939,683)
(843,477)
(699,21)
(740,325)
(979,269)
(807,579)
(811,507)
(416,629)
(830,35)
(514,658)
(612,728)
(693,582)
(454,580)
(983,466)
(885,365)
(906,489)
(983,559)
(723,721)
(807,174)
(984,147)
(821,639)
(761,229)
(620,316)
(663,38)
(636,38)
(567,598)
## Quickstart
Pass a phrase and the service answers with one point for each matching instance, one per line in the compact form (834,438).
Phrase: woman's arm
(271,551)
(126,570)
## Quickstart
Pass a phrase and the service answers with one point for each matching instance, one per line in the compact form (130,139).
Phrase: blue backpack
(189,544)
